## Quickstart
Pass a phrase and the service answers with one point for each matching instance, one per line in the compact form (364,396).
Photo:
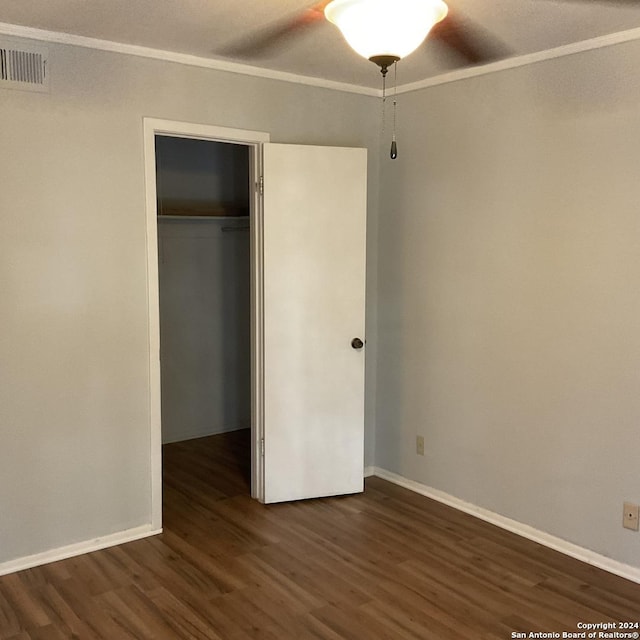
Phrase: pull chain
(394,145)
(384,100)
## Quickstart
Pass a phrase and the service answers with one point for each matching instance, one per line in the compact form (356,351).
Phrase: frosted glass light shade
(385,27)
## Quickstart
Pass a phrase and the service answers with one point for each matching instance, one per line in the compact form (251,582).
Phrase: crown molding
(527,59)
(30,33)
(600,42)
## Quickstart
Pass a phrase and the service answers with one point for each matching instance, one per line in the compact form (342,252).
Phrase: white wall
(205,327)
(509,297)
(74,382)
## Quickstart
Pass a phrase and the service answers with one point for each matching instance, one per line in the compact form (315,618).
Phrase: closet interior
(203,191)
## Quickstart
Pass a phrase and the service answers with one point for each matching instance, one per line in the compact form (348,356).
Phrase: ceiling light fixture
(385,31)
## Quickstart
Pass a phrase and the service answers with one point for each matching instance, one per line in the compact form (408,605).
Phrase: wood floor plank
(309,575)
(387,564)
(349,623)
(262,574)
(609,606)
(183,620)
(62,615)
(254,612)
(134,610)
(50,632)
(89,611)
(466,598)
(307,627)
(413,623)
(24,603)
(9,624)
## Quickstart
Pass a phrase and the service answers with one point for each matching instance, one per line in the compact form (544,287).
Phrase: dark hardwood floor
(387,564)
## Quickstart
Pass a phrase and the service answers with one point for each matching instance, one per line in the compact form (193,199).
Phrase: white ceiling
(205,27)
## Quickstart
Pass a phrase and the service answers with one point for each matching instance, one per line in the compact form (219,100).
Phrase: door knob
(356,343)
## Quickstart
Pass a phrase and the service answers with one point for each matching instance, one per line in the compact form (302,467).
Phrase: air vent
(23,66)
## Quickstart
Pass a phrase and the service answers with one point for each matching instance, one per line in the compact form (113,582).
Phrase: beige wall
(204,276)
(509,295)
(74,385)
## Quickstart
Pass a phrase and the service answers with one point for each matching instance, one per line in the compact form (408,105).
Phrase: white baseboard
(557,544)
(77,549)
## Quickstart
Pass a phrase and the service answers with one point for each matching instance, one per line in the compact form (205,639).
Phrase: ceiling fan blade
(277,34)
(469,41)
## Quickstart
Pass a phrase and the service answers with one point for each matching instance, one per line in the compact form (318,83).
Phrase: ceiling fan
(383,23)
(382,31)
(385,31)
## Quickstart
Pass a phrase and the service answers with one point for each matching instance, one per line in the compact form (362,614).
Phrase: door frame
(254,140)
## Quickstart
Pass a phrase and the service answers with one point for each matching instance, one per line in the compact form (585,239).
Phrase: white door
(314,300)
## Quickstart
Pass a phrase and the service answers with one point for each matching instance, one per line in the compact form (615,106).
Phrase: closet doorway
(203,181)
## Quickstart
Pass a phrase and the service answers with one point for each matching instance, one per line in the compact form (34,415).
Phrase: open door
(314,221)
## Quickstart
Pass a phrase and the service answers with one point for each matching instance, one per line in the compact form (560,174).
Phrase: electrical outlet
(420,447)
(631,516)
